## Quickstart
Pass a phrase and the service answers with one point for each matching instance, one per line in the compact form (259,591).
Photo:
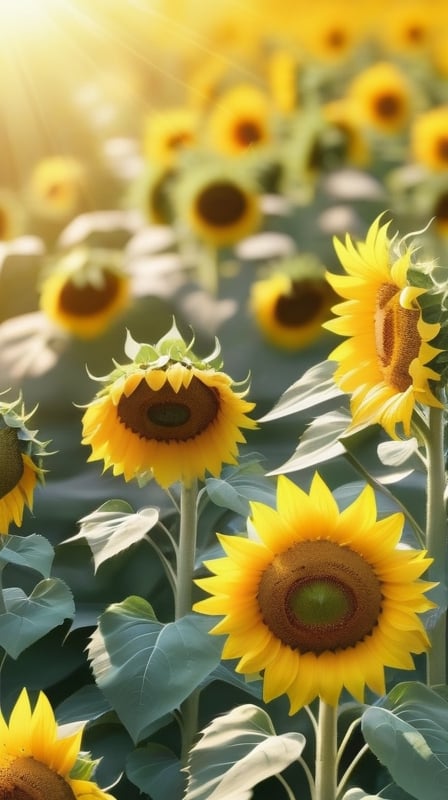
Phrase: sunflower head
(21,455)
(382,96)
(240,120)
(387,361)
(167,415)
(429,139)
(318,599)
(57,187)
(37,762)
(167,133)
(85,291)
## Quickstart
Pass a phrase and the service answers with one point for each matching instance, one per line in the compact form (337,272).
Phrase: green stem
(326,752)
(184,594)
(436,540)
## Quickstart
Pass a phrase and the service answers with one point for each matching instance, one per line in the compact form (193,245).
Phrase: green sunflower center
(397,338)
(221,204)
(247,132)
(300,306)
(319,595)
(388,106)
(165,415)
(11,461)
(83,301)
(27,779)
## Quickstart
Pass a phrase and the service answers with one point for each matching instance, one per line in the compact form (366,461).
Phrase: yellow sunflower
(20,464)
(220,204)
(429,139)
(290,309)
(440,213)
(383,363)
(36,763)
(240,120)
(167,133)
(56,187)
(330,32)
(11,216)
(382,97)
(322,599)
(167,415)
(341,116)
(408,28)
(85,292)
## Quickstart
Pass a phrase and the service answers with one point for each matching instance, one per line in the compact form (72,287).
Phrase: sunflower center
(11,461)
(388,106)
(166,415)
(27,779)
(336,39)
(3,225)
(89,299)
(221,204)
(180,139)
(300,306)
(441,209)
(397,338)
(247,132)
(442,148)
(319,595)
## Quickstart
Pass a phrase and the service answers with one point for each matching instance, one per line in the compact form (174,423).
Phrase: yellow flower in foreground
(383,363)
(382,97)
(36,763)
(429,139)
(167,415)
(323,599)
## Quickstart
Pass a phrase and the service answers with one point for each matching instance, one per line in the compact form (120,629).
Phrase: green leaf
(113,528)
(33,551)
(397,452)
(87,703)
(320,442)
(249,752)
(27,619)
(236,493)
(315,386)
(156,770)
(147,668)
(410,737)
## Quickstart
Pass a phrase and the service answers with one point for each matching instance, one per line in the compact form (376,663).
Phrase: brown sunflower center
(166,415)
(397,338)
(222,203)
(3,225)
(319,595)
(300,306)
(388,106)
(441,209)
(180,139)
(11,461)
(27,779)
(247,132)
(336,39)
(442,148)
(85,300)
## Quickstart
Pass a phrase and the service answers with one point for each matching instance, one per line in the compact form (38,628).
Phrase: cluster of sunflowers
(265,187)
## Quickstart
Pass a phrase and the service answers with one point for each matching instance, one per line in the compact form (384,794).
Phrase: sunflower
(167,133)
(219,203)
(408,28)
(330,32)
(429,139)
(11,216)
(384,361)
(153,194)
(291,308)
(20,464)
(240,120)
(340,115)
(382,97)
(320,599)
(37,763)
(56,187)
(85,292)
(167,415)
(440,213)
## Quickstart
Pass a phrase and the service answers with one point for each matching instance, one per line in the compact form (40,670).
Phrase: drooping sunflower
(429,139)
(220,203)
(384,361)
(20,464)
(85,292)
(167,133)
(57,187)
(291,305)
(382,96)
(318,599)
(37,763)
(240,120)
(167,415)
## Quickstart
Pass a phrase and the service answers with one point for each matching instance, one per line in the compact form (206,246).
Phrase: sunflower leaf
(33,551)
(410,737)
(27,619)
(320,442)
(147,668)
(315,386)
(155,769)
(249,752)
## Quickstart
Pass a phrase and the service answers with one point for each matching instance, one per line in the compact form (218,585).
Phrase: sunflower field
(223,395)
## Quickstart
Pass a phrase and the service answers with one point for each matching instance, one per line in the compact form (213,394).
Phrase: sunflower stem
(326,752)
(436,541)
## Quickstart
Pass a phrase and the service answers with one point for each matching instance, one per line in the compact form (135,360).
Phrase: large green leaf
(237,751)
(239,490)
(147,668)
(315,386)
(410,737)
(28,618)
(156,770)
(320,442)
(33,551)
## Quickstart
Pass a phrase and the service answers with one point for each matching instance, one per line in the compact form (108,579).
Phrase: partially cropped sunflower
(318,599)
(384,361)
(291,305)
(20,464)
(57,187)
(429,139)
(240,120)
(37,762)
(408,27)
(440,213)
(85,292)
(382,97)
(342,117)
(220,204)
(153,194)
(167,133)
(167,415)
(330,32)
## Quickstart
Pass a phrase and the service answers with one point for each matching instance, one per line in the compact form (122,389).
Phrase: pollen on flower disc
(11,462)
